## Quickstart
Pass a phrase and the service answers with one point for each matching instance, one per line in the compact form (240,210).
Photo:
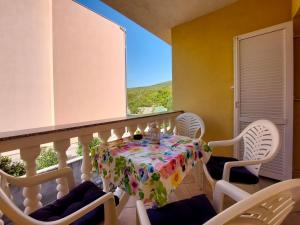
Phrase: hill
(163,84)
(158,95)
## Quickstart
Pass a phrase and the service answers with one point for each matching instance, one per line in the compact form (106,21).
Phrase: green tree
(48,157)
(151,96)
(12,168)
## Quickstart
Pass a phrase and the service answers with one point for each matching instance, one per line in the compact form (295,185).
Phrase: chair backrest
(261,142)
(190,125)
(268,206)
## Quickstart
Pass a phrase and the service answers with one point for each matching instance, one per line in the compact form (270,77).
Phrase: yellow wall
(295,7)
(203,60)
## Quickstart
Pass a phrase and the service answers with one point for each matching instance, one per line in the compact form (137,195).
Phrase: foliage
(48,157)
(12,168)
(94,143)
(206,147)
(150,96)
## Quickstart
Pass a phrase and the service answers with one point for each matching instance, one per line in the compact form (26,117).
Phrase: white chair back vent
(261,142)
(190,125)
(269,206)
(272,210)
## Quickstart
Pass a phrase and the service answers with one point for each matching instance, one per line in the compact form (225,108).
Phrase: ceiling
(159,16)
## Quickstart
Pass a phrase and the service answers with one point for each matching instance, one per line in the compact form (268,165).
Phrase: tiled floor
(186,190)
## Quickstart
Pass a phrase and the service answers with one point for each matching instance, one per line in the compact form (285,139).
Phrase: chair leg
(208,188)
(199,176)
(1,221)
(137,218)
(204,183)
(123,199)
(111,213)
(209,181)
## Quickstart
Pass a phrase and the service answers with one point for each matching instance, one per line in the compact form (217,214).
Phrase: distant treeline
(150,96)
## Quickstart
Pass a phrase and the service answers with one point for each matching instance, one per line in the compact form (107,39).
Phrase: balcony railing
(29,141)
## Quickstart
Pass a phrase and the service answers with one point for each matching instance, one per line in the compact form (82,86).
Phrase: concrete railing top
(26,138)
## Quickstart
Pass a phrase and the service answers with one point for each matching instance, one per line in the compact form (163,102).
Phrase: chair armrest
(40,178)
(225,188)
(229,165)
(19,217)
(224,143)
(142,216)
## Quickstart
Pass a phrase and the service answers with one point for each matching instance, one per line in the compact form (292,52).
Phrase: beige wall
(25,62)
(59,63)
(89,65)
(203,60)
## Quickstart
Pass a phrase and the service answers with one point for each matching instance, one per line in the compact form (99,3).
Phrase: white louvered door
(263,89)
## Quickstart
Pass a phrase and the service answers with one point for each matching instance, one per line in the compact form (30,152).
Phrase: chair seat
(215,167)
(196,210)
(77,198)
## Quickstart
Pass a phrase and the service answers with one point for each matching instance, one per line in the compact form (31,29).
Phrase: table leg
(198,175)
(122,195)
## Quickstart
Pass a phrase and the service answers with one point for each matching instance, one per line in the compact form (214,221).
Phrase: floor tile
(131,202)
(128,216)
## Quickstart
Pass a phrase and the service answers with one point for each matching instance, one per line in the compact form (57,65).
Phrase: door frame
(289,89)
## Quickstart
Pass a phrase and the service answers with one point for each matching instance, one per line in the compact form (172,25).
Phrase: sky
(149,59)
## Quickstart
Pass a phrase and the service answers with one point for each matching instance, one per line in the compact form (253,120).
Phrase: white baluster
(61,147)
(86,166)
(32,194)
(142,127)
(119,132)
(167,125)
(172,126)
(5,187)
(104,135)
(131,129)
(146,128)
(164,126)
(160,124)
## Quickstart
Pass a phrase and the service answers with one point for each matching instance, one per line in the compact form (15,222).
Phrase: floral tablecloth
(150,171)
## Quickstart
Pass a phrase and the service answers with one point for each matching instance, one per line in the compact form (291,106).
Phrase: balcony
(203,75)
(29,143)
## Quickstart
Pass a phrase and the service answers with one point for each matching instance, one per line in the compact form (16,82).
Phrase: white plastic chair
(190,125)
(269,206)
(10,210)
(261,145)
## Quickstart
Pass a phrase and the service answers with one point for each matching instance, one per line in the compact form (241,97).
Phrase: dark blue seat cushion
(77,198)
(215,167)
(196,210)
